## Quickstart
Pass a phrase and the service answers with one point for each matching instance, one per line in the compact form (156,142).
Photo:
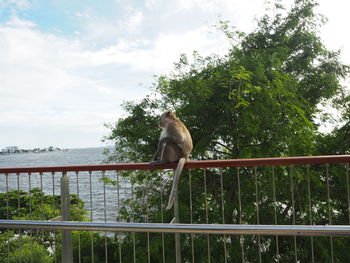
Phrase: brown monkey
(175,144)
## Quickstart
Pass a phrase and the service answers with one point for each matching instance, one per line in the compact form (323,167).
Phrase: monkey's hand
(156,156)
(154,162)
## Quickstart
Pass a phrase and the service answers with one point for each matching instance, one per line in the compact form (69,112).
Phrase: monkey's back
(180,131)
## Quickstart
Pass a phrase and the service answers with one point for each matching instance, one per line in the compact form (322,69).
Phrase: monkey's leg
(158,152)
(163,155)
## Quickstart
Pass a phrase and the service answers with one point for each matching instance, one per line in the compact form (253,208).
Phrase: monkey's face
(162,121)
(165,118)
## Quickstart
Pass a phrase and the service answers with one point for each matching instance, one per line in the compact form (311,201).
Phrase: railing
(230,210)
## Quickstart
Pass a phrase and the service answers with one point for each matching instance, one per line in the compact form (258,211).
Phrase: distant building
(15,149)
(10,149)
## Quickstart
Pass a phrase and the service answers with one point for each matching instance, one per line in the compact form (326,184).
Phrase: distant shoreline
(16,151)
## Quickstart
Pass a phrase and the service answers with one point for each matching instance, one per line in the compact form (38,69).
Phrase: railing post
(67,248)
(177,235)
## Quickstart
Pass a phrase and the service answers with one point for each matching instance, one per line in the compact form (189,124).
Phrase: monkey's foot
(157,162)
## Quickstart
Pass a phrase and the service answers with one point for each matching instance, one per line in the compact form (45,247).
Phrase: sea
(100,200)
(82,156)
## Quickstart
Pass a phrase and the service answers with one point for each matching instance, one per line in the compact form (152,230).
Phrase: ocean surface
(69,157)
(104,197)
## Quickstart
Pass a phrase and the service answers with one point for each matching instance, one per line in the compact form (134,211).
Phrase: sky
(67,66)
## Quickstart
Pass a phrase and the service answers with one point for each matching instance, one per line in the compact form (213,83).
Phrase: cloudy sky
(66,66)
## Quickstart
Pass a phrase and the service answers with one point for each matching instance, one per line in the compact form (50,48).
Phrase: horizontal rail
(283,230)
(303,160)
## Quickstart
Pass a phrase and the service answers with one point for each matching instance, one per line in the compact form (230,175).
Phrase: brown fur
(175,144)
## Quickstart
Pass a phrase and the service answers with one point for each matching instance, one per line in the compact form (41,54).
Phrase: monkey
(175,144)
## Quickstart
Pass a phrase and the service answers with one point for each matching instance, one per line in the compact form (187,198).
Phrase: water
(102,195)
(71,157)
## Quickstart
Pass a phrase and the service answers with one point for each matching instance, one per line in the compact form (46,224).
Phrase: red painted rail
(303,160)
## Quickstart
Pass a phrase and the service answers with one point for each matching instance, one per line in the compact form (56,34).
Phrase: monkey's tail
(173,191)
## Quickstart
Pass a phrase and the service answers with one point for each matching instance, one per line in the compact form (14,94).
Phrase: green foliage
(23,249)
(338,141)
(35,205)
(259,100)
(26,245)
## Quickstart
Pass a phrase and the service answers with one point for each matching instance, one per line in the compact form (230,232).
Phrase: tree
(26,245)
(25,249)
(259,100)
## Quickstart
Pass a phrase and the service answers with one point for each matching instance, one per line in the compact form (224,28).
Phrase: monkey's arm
(156,156)
(159,151)
(161,145)
(168,139)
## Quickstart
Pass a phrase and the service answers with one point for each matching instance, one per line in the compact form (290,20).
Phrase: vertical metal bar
(105,212)
(241,238)
(7,217)
(91,208)
(275,211)
(67,247)
(206,212)
(118,218)
(223,212)
(347,188)
(41,206)
(329,209)
(162,215)
(19,215)
(79,247)
(310,210)
(257,209)
(148,240)
(191,212)
(177,235)
(54,206)
(133,220)
(30,194)
(30,214)
(53,187)
(293,210)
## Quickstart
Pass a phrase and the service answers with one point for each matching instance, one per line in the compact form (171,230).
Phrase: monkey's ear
(170,115)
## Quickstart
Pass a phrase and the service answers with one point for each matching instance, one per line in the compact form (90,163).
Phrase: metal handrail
(229,229)
(250,162)
(177,228)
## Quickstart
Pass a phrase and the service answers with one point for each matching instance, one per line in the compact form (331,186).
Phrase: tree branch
(223,145)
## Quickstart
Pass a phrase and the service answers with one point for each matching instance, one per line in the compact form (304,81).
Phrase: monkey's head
(166,117)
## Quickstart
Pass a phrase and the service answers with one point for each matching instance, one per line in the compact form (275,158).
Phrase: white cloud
(50,81)
(14,5)
(158,56)
(209,5)
(16,22)
(152,5)
(333,31)
(133,20)
(81,15)
(21,4)
(77,83)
